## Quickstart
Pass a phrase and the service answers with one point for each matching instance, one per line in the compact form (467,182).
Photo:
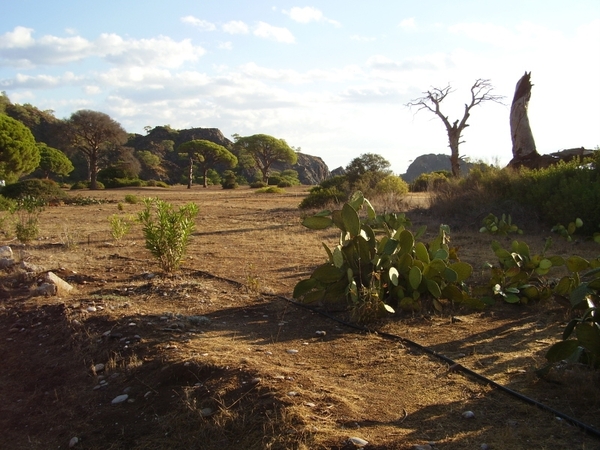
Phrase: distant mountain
(432,163)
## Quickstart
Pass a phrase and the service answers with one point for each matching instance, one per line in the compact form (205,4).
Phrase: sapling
(167,231)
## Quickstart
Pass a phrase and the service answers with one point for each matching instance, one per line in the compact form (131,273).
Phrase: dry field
(216,356)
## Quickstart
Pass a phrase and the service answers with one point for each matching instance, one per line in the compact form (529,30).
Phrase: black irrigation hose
(455,366)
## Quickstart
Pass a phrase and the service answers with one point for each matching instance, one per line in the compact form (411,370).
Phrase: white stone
(357,442)
(468,415)
(119,399)
(6,252)
(73,442)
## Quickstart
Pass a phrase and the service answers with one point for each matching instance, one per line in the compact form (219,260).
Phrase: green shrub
(44,191)
(6,203)
(119,226)
(167,231)
(258,184)
(391,185)
(270,190)
(320,197)
(80,185)
(427,182)
(132,199)
(229,180)
(26,212)
(284,184)
(155,183)
(374,273)
(86,185)
(114,183)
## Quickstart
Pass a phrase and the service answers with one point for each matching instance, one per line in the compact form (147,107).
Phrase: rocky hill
(311,169)
(432,163)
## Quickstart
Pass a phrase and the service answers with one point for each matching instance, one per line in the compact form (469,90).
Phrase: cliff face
(311,169)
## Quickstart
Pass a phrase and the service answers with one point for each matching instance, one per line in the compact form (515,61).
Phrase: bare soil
(216,356)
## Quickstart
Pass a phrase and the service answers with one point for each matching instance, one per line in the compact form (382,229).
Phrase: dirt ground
(216,356)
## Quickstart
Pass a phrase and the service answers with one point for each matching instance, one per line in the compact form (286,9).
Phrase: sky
(330,77)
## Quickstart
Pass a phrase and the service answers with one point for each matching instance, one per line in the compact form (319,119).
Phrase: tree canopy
(207,154)
(19,154)
(53,161)
(92,133)
(265,150)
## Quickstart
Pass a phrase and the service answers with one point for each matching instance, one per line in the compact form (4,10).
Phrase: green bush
(43,190)
(427,182)
(556,194)
(270,190)
(391,185)
(229,180)
(258,184)
(167,231)
(132,199)
(113,183)
(320,197)
(155,183)
(86,185)
(379,265)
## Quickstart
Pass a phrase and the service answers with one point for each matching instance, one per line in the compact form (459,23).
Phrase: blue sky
(329,77)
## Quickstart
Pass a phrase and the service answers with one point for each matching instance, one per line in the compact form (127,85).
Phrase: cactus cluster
(379,264)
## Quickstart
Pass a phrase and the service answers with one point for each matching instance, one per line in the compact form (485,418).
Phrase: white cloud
(20,49)
(20,37)
(278,34)
(309,14)
(199,23)
(225,45)
(158,52)
(235,27)
(408,24)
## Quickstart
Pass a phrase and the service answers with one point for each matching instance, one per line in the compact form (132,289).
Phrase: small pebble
(357,442)
(119,399)
(206,412)
(485,447)
(468,415)
(292,351)
(320,333)
(73,442)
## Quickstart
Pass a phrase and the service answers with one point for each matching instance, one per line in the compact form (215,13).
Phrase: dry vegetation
(256,375)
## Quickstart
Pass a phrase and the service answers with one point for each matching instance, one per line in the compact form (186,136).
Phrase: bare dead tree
(431,101)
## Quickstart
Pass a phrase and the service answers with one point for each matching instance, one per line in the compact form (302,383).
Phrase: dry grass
(232,383)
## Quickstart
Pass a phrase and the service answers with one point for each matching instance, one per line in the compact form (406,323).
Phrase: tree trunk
(205,180)
(93,165)
(190,173)
(523,144)
(454,141)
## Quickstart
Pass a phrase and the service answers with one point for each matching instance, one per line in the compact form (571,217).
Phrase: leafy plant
(26,212)
(582,285)
(372,273)
(167,231)
(567,232)
(119,226)
(585,347)
(519,277)
(132,199)
(501,226)
(270,190)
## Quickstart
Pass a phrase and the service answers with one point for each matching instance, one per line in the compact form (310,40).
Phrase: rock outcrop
(432,163)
